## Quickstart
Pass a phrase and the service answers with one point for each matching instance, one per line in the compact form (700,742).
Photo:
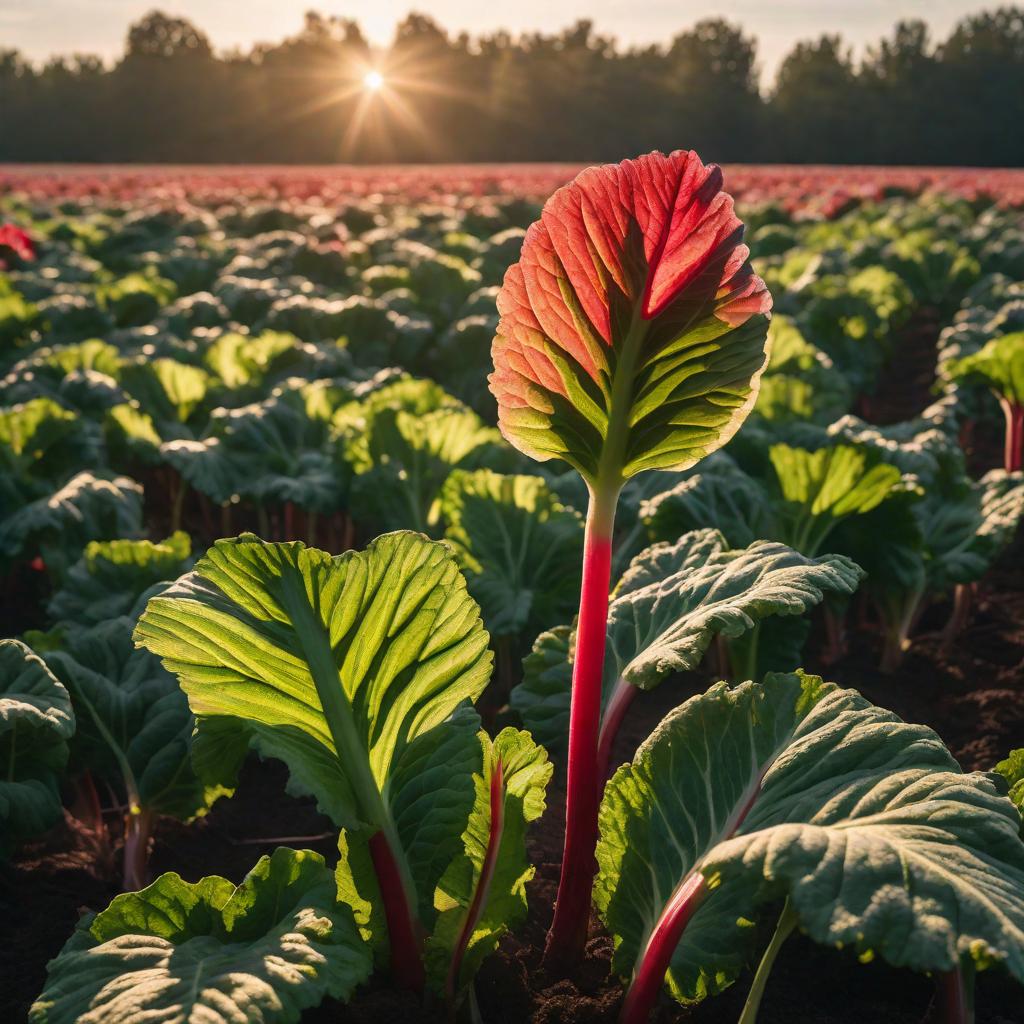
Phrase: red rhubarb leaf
(633,329)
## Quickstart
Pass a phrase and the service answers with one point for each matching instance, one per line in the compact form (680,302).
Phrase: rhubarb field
(511,594)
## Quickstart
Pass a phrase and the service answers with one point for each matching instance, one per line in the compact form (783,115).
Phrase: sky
(41,28)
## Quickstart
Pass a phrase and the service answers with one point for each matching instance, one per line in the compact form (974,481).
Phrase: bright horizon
(44,28)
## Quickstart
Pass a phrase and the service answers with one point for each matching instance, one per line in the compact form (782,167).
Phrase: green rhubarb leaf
(357,421)
(411,455)
(963,532)
(675,598)
(520,548)
(271,452)
(131,433)
(668,607)
(36,722)
(542,698)
(111,576)
(819,489)
(134,724)
(999,365)
(166,389)
(88,507)
(720,495)
(349,668)
(502,905)
(1012,769)
(35,438)
(183,952)
(800,382)
(242,361)
(632,331)
(798,789)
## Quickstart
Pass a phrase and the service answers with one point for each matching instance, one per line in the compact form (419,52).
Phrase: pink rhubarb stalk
(406,959)
(654,963)
(1013,451)
(584,782)
(955,997)
(621,699)
(137,831)
(483,885)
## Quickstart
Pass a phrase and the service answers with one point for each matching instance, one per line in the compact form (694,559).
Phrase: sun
(373,80)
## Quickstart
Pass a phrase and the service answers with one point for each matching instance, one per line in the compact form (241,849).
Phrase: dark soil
(972,694)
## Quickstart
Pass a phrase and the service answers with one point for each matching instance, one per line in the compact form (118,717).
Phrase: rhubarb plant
(804,498)
(113,577)
(807,795)
(800,383)
(278,452)
(632,335)
(134,733)
(357,671)
(1000,365)
(36,723)
(482,894)
(665,612)
(210,951)
(964,526)
(520,548)
(58,526)
(402,442)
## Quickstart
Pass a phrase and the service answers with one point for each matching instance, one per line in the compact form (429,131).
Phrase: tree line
(576,95)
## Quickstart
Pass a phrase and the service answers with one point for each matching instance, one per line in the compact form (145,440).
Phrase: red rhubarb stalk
(483,885)
(654,963)
(137,830)
(568,932)
(682,905)
(621,699)
(955,997)
(1013,451)
(406,961)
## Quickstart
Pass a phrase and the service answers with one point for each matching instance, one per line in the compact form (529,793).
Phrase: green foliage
(667,608)
(801,786)
(112,576)
(134,724)
(36,722)
(525,773)
(349,669)
(800,382)
(270,452)
(403,442)
(801,500)
(244,362)
(1012,769)
(182,952)
(999,365)
(821,488)
(520,548)
(59,526)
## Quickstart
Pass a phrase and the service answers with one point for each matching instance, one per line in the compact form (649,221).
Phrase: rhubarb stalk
(956,996)
(619,703)
(568,932)
(483,885)
(654,963)
(1013,451)
(406,961)
(137,829)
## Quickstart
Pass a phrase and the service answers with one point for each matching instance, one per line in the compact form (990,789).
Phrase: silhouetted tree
(570,95)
